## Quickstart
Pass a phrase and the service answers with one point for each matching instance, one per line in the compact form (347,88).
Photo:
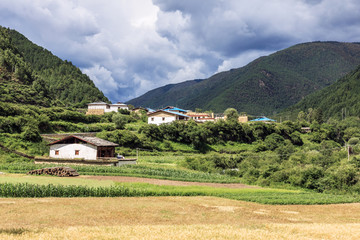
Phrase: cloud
(241,60)
(130,47)
(102,78)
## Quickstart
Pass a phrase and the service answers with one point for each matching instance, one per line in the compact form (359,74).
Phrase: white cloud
(241,60)
(102,78)
(130,47)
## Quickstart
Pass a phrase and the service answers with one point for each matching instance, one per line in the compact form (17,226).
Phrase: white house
(79,147)
(164,116)
(99,108)
(201,117)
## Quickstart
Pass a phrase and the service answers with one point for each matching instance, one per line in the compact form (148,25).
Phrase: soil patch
(169,182)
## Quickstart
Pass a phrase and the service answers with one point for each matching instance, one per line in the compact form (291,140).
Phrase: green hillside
(60,82)
(18,82)
(339,100)
(266,85)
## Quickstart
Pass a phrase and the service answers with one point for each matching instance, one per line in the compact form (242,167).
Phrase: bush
(151,131)
(72,116)
(340,177)
(122,137)
(199,164)
(31,134)
(295,138)
(353,141)
(273,141)
(120,120)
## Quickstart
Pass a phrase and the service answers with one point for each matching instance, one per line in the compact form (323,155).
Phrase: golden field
(173,218)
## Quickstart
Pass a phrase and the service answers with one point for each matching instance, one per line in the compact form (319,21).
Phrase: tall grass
(44,180)
(132,170)
(26,190)
(265,196)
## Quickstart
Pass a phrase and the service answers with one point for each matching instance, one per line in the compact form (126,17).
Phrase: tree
(310,115)
(318,115)
(301,116)
(231,114)
(120,120)
(31,134)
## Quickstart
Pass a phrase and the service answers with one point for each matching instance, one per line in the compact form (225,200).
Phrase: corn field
(132,170)
(26,190)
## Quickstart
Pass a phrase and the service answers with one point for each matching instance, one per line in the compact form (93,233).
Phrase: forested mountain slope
(60,81)
(18,83)
(339,100)
(265,86)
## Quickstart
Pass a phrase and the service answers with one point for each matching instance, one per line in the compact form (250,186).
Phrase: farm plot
(173,218)
(48,186)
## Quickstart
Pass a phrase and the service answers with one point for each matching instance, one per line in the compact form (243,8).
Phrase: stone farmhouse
(100,108)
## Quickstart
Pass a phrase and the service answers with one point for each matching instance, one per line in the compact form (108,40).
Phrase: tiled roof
(167,111)
(174,109)
(97,103)
(97,141)
(262,119)
(91,140)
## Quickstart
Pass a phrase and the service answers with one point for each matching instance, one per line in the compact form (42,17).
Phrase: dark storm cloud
(130,47)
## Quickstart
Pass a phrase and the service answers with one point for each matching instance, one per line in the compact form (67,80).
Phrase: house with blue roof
(175,109)
(263,119)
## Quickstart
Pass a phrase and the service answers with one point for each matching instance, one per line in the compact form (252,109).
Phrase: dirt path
(169,182)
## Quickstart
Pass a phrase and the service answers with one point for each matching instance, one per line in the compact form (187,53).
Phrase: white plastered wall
(86,151)
(115,108)
(159,120)
(97,106)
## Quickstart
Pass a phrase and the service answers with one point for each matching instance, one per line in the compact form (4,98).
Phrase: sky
(128,47)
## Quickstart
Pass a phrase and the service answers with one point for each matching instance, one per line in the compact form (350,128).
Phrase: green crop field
(132,170)
(15,185)
(45,180)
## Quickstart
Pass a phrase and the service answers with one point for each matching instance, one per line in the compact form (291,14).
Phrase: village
(167,114)
(88,149)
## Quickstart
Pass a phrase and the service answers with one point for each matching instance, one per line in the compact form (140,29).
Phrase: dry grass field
(173,218)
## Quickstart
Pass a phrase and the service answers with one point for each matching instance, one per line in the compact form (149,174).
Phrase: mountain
(265,86)
(18,83)
(338,100)
(63,83)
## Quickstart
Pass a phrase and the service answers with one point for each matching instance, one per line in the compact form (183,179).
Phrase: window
(163,119)
(56,152)
(152,119)
(77,152)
